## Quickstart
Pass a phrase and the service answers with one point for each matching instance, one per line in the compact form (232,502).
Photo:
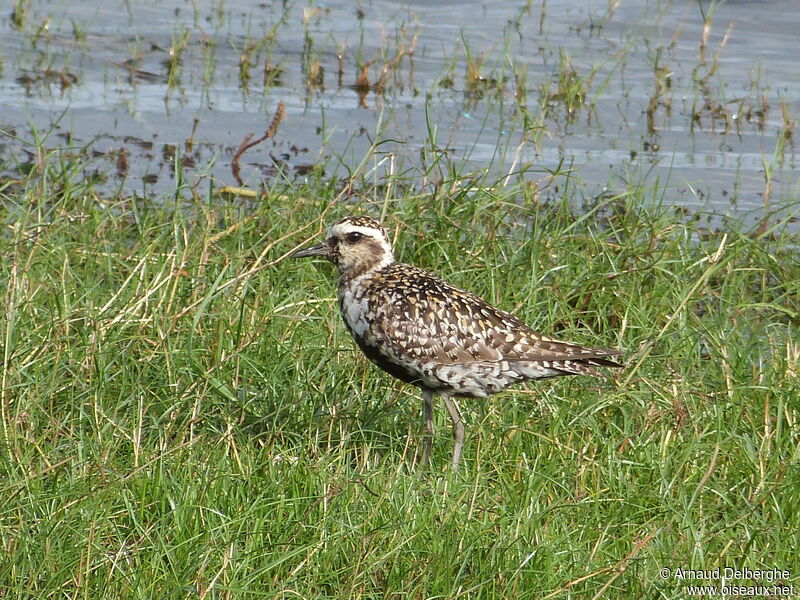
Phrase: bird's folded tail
(574,366)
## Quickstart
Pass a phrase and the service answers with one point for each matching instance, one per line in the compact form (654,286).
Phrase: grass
(183,414)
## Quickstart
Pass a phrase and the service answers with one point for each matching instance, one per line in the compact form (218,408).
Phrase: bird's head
(356,245)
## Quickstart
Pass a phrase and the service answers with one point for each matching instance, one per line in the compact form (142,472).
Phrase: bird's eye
(354,236)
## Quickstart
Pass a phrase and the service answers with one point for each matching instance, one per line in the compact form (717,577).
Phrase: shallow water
(98,75)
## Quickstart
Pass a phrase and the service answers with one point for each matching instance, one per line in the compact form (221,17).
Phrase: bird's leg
(427,440)
(458,429)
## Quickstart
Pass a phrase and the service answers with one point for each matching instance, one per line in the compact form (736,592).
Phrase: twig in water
(247,144)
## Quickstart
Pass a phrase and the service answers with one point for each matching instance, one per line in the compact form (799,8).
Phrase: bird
(428,333)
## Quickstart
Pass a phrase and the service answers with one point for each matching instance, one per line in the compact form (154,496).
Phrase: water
(96,77)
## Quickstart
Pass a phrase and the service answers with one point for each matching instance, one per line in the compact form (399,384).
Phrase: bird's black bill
(321,250)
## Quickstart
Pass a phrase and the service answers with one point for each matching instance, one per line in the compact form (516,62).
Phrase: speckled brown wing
(426,317)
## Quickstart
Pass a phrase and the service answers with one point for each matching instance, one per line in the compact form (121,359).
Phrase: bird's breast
(356,312)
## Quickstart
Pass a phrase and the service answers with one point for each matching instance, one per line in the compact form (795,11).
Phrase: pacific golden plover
(426,332)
